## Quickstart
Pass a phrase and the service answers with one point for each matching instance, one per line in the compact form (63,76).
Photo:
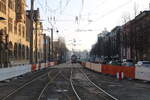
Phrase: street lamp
(57,31)
(52,43)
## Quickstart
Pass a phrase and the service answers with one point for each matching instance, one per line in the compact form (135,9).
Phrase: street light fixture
(57,31)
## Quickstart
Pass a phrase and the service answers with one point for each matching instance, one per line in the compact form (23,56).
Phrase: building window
(3,6)
(10,25)
(19,30)
(11,4)
(23,31)
(15,29)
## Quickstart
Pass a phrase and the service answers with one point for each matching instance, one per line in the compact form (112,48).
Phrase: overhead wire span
(99,5)
(114,10)
(81,10)
(66,5)
(109,12)
(40,4)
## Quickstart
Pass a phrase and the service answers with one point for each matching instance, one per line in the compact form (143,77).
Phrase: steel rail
(24,85)
(71,82)
(67,80)
(46,86)
(64,77)
(99,88)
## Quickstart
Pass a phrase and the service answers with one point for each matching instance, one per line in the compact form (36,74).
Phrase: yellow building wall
(4,23)
(11,15)
(15,36)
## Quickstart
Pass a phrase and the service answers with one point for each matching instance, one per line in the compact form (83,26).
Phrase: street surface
(70,82)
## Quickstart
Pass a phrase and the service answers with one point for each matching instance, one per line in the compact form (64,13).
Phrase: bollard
(39,66)
(120,75)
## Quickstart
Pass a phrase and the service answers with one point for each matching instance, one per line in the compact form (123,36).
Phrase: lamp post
(31,30)
(52,43)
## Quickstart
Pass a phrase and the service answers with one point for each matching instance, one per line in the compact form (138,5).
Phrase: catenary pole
(36,39)
(31,32)
(52,43)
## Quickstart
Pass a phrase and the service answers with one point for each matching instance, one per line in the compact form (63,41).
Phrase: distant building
(126,40)
(115,42)
(37,34)
(129,41)
(135,38)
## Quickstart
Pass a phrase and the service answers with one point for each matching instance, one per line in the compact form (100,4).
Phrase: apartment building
(38,39)
(15,46)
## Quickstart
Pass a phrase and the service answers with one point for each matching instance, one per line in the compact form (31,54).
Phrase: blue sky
(102,13)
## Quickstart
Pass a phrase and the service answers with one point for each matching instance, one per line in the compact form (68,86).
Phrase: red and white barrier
(120,75)
(88,65)
(129,72)
(34,67)
(96,67)
(42,65)
(52,63)
(7,73)
(142,73)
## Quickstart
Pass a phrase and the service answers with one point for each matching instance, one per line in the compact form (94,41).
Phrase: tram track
(101,92)
(47,84)
(71,90)
(62,86)
(18,81)
(73,87)
(14,94)
(84,88)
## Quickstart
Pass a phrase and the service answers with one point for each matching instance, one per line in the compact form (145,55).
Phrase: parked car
(143,64)
(127,62)
(114,63)
(97,60)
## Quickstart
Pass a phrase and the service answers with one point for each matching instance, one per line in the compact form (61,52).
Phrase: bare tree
(135,9)
(126,17)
